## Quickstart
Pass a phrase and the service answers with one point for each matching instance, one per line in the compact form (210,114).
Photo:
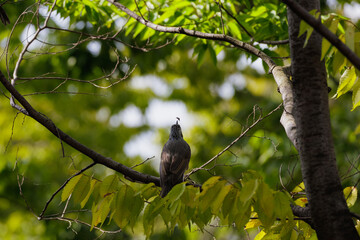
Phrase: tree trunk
(329,212)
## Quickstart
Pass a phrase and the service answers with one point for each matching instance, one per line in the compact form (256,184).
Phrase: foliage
(336,62)
(184,206)
(237,199)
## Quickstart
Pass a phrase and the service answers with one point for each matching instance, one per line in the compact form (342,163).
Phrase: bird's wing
(180,160)
(165,164)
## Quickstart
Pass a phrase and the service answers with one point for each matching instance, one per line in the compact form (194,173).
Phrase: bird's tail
(165,190)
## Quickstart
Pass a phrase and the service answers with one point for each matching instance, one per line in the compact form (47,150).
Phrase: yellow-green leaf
(325,43)
(101,210)
(299,188)
(69,188)
(260,235)
(109,185)
(234,29)
(218,201)
(249,189)
(347,81)
(92,186)
(338,62)
(176,192)
(350,194)
(350,36)
(356,94)
(253,223)
(81,190)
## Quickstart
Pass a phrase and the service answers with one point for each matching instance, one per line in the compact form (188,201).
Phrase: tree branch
(323,31)
(193,33)
(282,78)
(232,143)
(129,173)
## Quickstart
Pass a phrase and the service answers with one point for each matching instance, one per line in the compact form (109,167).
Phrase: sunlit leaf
(81,190)
(350,194)
(92,186)
(299,188)
(260,235)
(347,81)
(325,43)
(356,94)
(338,61)
(301,202)
(253,223)
(304,27)
(69,188)
(101,210)
(234,29)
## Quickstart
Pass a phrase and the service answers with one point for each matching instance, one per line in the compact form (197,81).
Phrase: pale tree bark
(329,213)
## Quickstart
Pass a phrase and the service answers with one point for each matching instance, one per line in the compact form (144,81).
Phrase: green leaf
(350,194)
(109,185)
(350,36)
(93,182)
(128,206)
(81,190)
(176,192)
(325,43)
(201,54)
(338,62)
(265,205)
(347,81)
(218,201)
(211,189)
(304,27)
(228,202)
(248,189)
(212,54)
(101,210)
(151,211)
(282,207)
(356,94)
(189,196)
(234,29)
(69,188)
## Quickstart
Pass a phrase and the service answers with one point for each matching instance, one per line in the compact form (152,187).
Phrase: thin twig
(62,186)
(81,222)
(237,21)
(142,162)
(221,17)
(232,143)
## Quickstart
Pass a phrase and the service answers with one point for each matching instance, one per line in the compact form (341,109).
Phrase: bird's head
(175,132)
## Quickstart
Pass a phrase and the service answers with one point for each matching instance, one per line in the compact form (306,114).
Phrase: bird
(175,157)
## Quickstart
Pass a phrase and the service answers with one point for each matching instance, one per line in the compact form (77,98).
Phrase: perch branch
(95,156)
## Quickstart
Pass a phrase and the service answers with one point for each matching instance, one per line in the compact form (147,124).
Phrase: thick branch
(323,31)
(193,33)
(282,78)
(96,157)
